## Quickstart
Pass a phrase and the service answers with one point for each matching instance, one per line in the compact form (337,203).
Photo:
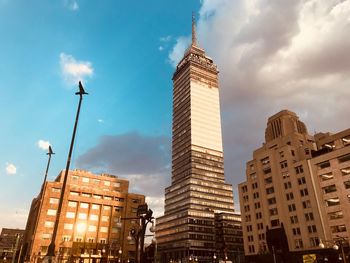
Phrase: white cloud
(11,169)
(100,120)
(44,145)
(178,51)
(74,70)
(160,48)
(156,203)
(72,5)
(165,39)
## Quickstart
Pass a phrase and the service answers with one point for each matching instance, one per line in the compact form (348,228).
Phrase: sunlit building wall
(92,223)
(198,190)
(297,189)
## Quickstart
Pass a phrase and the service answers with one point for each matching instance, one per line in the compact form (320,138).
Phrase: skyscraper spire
(194,37)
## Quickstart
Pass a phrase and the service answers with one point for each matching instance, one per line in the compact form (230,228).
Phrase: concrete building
(91,225)
(198,190)
(297,190)
(10,244)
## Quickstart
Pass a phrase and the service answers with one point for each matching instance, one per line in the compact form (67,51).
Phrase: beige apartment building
(97,215)
(297,190)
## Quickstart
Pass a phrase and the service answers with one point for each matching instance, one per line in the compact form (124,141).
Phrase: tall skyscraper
(297,192)
(198,189)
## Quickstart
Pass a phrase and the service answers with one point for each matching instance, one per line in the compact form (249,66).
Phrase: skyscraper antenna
(194,37)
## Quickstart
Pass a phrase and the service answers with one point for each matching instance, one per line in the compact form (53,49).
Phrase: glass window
(291,207)
(283,164)
(304,192)
(296,231)
(268,180)
(103,229)
(301,181)
(338,228)
(344,158)
(56,190)
(68,226)
(275,222)
(314,242)
(273,211)
(290,196)
(46,236)
(49,224)
(105,218)
(332,201)
(294,219)
(267,170)
(75,178)
(271,201)
(92,228)
(309,216)
(94,217)
(115,230)
(306,204)
(107,183)
(96,181)
(116,184)
(324,165)
(54,200)
(70,215)
(335,215)
(312,229)
(299,169)
(270,190)
(326,176)
(329,189)
(51,212)
(84,205)
(298,243)
(345,171)
(74,193)
(82,216)
(95,206)
(85,180)
(72,204)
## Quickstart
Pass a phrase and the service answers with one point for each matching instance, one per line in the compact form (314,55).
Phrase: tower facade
(198,189)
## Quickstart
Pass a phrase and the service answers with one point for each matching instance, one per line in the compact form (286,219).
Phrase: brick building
(91,225)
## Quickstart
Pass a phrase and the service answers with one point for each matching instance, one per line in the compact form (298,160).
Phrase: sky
(272,55)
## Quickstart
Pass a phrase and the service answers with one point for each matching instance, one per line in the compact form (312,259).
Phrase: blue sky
(271,56)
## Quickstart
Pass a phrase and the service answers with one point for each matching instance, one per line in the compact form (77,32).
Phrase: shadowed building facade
(90,227)
(10,244)
(297,191)
(198,189)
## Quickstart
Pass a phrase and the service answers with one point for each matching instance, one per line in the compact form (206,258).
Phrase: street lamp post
(51,248)
(335,246)
(138,234)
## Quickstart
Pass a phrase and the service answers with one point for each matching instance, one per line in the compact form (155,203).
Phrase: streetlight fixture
(51,249)
(137,234)
(335,246)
